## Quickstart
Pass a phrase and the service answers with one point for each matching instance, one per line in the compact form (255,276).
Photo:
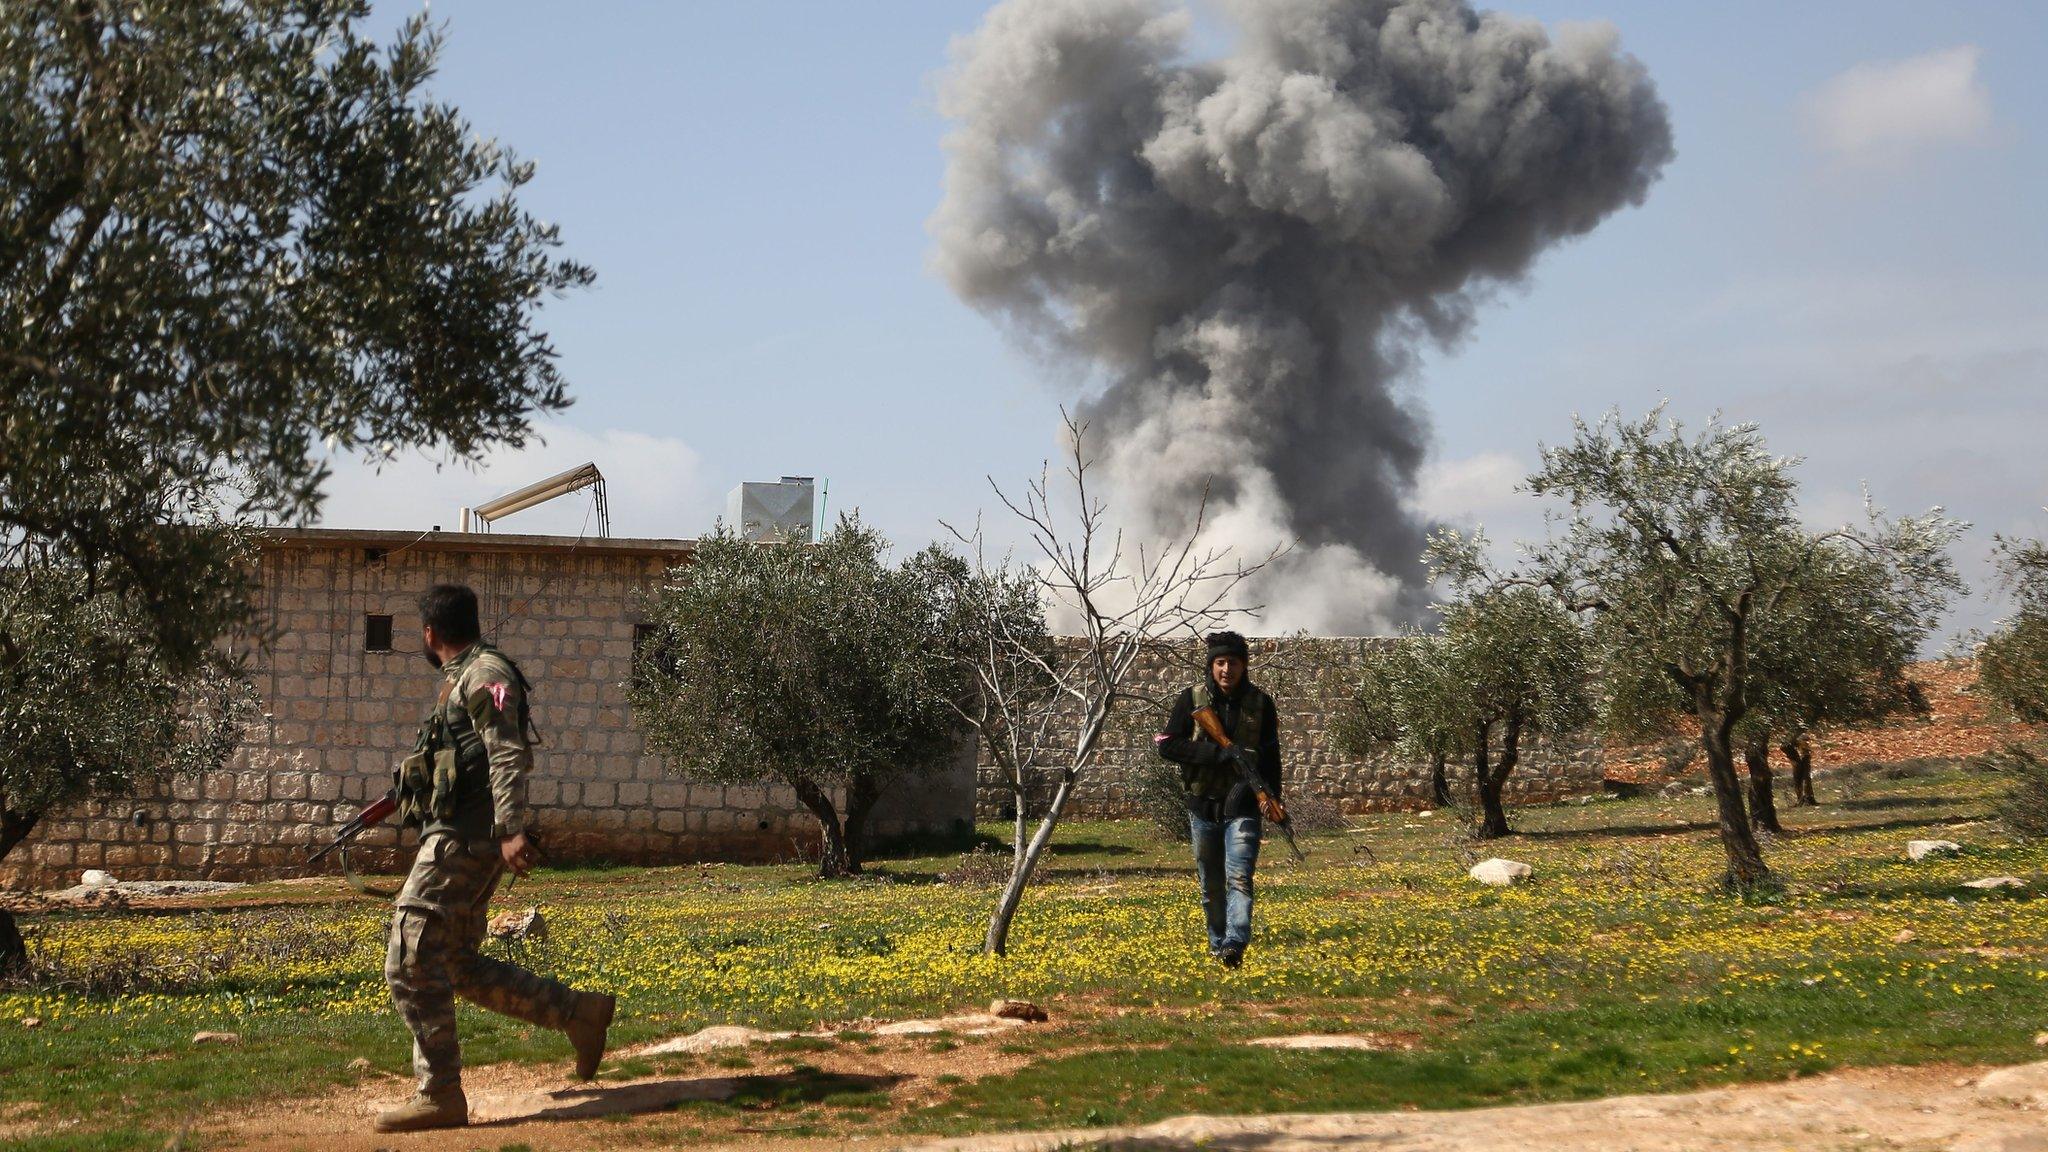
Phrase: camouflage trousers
(432,957)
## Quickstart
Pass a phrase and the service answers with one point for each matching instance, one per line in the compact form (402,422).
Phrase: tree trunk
(997,942)
(861,794)
(833,861)
(1799,751)
(1763,807)
(1020,828)
(1493,817)
(14,828)
(1439,780)
(1481,772)
(1746,867)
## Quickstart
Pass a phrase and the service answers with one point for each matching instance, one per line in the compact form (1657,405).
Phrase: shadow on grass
(1088,848)
(1050,870)
(1879,826)
(1887,803)
(1616,831)
(1627,831)
(800,1085)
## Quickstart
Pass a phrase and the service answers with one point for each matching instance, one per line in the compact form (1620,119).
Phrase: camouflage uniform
(443,909)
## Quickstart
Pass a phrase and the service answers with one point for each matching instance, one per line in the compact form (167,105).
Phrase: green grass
(1620,968)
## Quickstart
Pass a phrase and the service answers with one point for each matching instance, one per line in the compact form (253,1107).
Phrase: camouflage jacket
(483,704)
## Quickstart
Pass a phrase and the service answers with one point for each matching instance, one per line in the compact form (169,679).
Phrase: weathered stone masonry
(337,717)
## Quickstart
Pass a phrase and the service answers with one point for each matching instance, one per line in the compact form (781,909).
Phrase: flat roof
(470,542)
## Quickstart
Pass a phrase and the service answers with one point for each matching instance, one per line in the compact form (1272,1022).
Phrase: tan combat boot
(587,1028)
(448,1108)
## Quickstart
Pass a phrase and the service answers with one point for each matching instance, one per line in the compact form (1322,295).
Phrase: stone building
(342,686)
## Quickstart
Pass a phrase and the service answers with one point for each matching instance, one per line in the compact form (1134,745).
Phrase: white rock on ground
(1922,849)
(712,1039)
(1023,1010)
(1501,873)
(1321,1043)
(94,878)
(1990,882)
(127,889)
(965,1024)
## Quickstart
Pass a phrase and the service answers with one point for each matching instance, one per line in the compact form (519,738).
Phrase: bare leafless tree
(1045,704)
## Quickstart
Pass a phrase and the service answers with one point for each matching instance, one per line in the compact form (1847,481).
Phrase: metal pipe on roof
(561,484)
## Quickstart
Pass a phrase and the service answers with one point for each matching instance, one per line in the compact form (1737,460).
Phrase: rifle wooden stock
(1212,727)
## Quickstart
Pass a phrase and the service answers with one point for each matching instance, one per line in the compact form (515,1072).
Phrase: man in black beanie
(1224,813)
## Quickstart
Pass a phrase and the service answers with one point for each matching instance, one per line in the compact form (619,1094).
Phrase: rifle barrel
(373,813)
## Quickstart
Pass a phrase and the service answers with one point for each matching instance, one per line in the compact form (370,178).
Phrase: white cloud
(1884,111)
(652,486)
(1470,488)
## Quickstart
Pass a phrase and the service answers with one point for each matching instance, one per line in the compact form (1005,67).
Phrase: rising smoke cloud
(1246,254)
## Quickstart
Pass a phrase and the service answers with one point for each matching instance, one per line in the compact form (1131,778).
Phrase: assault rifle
(365,820)
(376,813)
(1212,727)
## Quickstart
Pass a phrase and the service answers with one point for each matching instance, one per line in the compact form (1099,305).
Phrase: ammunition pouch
(1214,781)
(429,780)
(1207,781)
(415,785)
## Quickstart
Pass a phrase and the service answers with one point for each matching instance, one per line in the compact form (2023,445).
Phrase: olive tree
(1688,553)
(2012,663)
(1406,699)
(89,705)
(996,635)
(1836,650)
(818,665)
(229,234)
(1514,666)
(1523,661)
(2012,671)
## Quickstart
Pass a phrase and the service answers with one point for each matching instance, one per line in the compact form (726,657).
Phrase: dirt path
(1945,1109)
(1923,1109)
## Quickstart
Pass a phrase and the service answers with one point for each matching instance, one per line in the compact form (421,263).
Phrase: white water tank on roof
(772,511)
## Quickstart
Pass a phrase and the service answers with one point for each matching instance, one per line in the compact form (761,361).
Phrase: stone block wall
(1304,675)
(335,718)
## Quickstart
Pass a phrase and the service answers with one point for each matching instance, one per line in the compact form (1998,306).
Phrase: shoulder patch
(492,694)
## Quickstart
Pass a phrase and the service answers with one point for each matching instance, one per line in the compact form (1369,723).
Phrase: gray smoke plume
(1246,253)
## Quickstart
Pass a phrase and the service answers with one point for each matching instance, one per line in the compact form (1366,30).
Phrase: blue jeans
(1226,851)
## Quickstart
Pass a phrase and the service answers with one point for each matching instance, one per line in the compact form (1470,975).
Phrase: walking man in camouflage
(464,787)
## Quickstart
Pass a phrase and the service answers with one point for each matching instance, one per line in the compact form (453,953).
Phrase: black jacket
(1179,745)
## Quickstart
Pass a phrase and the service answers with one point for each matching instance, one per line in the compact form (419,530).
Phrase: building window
(647,646)
(376,633)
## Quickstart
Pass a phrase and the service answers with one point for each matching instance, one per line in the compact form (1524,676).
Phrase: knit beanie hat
(1228,644)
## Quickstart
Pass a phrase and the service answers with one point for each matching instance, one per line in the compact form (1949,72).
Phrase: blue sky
(752,181)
